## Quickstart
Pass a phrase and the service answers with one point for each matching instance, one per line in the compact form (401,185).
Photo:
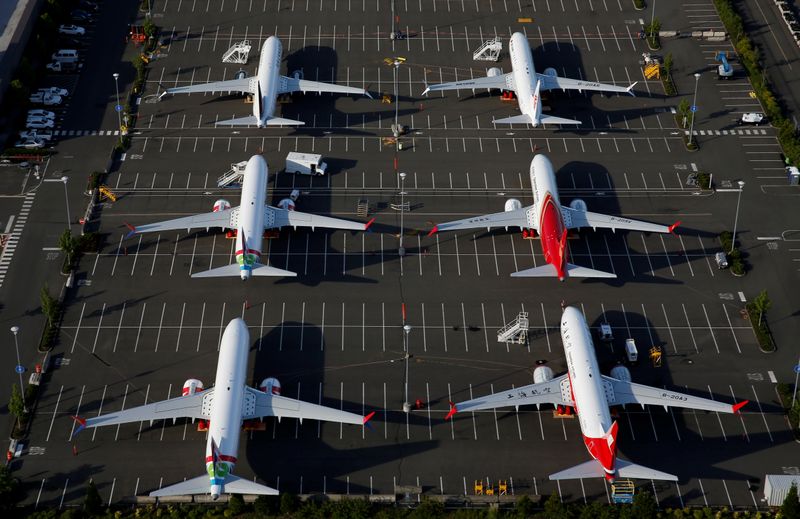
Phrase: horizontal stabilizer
(234,270)
(517,119)
(589,469)
(626,469)
(250,120)
(280,121)
(237,485)
(549,271)
(202,485)
(549,119)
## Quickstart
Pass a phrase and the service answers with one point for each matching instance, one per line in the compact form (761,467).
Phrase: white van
(630,351)
(305,163)
(66,56)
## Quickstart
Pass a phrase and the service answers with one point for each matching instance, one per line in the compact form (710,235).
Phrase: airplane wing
(190,406)
(502,81)
(555,391)
(245,86)
(280,406)
(289,84)
(523,218)
(565,83)
(631,393)
(227,219)
(276,217)
(575,219)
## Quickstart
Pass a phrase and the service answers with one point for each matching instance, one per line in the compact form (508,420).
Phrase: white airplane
(552,221)
(265,87)
(250,220)
(591,393)
(225,406)
(527,85)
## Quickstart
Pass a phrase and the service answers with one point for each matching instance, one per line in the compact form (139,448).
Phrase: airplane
(591,393)
(265,87)
(249,219)
(225,406)
(527,85)
(552,221)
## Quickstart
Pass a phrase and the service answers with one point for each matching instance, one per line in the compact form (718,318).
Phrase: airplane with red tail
(591,393)
(552,221)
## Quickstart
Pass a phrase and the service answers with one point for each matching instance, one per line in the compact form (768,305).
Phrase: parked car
(72,30)
(40,123)
(721,259)
(35,134)
(30,144)
(794,26)
(45,99)
(752,118)
(789,17)
(53,91)
(41,113)
(79,15)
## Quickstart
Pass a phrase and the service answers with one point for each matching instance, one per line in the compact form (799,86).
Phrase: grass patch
(793,412)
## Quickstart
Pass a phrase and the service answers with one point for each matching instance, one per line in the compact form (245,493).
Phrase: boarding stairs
(233,176)
(516,331)
(622,491)
(488,51)
(238,53)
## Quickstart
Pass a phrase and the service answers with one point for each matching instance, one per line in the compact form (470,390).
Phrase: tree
(761,303)
(67,242)
(236,504)
(790,509)
(289,503)
(684,108)
(93,502)
(265,506)
(668,62)
(8,488)
(16,405)
(644,506)
(524,507)
(554,508)
(428,509)
(49,305)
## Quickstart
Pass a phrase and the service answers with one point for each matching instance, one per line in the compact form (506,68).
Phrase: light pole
(694,107)
(396,126)
(401,251)
(736,219)
(63,180)
(19,369)
(117,108)
(406,404)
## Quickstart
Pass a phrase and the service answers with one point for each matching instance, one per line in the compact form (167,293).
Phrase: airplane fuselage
(226,408)
(588,393)
(251,215)
(548,208)
(268,77)
(524,74)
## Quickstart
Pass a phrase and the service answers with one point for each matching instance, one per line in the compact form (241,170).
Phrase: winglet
(367,418)
(367,225)
(433,231)
(672,227)
(453,410)
(630,89)
(131,232)
(82,424)
(737,407)
(427,89)
(366,93)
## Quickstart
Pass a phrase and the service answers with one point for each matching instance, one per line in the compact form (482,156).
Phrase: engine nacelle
(494,72)
(271,386)
(512,204)
(621,373)
(542,374)
(192,386)
(550,71)
(221,205)
(240,74)
(297,74)
(287,204)
(578,205)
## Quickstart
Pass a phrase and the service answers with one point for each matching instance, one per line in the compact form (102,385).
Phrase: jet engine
(297,74)
(621,373)
(542,374)
(512,204)
(287,204)
(192,386)
(578,205)
(494,72)
(550,71)
(271,386)
(221,205)
(240,74)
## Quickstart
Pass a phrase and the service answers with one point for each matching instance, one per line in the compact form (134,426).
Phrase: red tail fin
(562,256)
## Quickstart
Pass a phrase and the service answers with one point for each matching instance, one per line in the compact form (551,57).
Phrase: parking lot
(135,326)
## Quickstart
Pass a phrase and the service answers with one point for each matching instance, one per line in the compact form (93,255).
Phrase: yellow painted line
(524,20)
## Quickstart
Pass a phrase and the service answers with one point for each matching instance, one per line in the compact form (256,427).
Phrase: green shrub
(761,329)
(704,180)
(638,4)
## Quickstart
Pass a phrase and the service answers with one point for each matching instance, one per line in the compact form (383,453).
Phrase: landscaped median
(749,58)
(757,313)
(792,411)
